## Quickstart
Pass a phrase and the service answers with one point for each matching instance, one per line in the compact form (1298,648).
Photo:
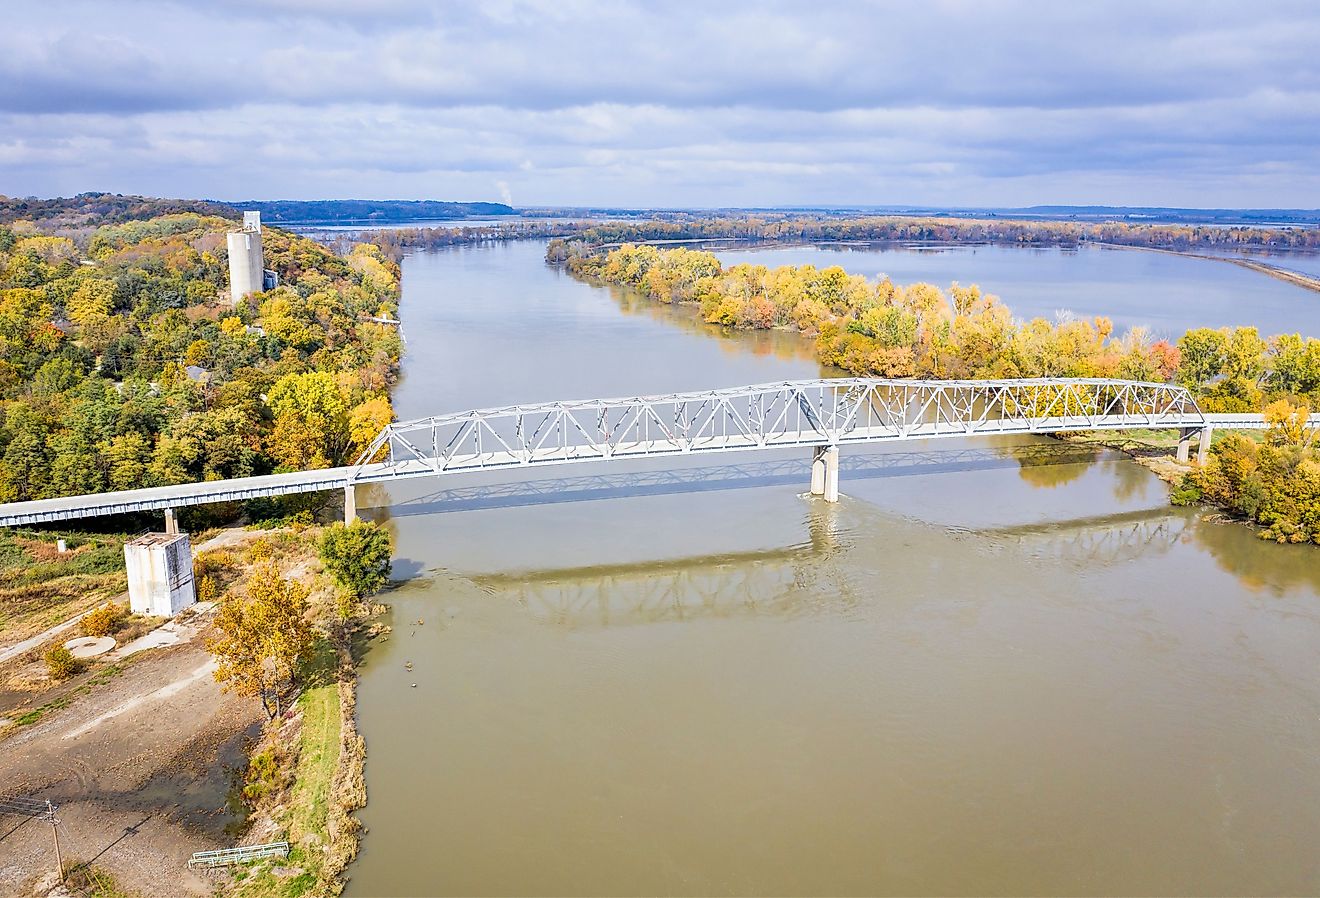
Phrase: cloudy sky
(937,102)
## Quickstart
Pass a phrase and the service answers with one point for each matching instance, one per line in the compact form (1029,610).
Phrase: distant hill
(100,208)
(277,211)
(1134,214)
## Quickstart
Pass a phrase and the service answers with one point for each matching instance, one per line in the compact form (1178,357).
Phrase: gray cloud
(1013,102)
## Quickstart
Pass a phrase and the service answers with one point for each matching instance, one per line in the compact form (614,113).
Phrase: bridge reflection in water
(750,475)
(812,577)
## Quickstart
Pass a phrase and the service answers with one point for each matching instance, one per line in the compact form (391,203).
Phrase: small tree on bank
(263,638)
(357,556)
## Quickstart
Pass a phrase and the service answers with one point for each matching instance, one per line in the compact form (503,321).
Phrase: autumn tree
(366,420)
(263,638)
(1289,424)
(311,420)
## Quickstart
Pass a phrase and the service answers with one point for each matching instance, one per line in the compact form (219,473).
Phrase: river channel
(994,667)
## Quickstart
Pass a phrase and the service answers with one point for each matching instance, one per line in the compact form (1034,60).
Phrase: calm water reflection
(997,666)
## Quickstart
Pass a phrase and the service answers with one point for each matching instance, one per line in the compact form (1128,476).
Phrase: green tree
(1202,356)
(357,556)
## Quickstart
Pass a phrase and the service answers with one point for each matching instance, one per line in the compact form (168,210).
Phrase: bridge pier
(1185,443)
(171,522)
(1203,450)
(350,504)
(825,472)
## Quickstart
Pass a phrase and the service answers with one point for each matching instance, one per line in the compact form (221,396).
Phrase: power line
(27,807)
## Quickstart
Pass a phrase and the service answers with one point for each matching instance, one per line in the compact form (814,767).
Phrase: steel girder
(790,413)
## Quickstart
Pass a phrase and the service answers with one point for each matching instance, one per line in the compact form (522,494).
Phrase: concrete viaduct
(821,416)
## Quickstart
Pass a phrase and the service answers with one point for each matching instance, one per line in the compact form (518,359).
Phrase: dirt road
(140,769)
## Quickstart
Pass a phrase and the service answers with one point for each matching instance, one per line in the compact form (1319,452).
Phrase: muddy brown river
(994,667)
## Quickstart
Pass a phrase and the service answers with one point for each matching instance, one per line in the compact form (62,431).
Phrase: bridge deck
(804,413)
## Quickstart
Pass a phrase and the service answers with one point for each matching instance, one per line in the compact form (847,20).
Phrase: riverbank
(132,730)
(304,775)
(306,778)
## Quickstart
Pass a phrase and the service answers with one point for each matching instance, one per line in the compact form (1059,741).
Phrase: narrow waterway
(995,667)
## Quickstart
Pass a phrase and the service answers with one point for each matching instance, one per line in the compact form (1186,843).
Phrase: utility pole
(55,831)
(32,807)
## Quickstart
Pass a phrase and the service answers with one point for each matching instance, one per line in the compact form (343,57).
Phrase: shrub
(103,621)
(212,562)
(207,591)
(60,662)
(266,775)
(357,556)
(1186,493)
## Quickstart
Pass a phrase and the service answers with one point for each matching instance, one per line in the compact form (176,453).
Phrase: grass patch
(93,882)
(1152,439)
(319,752)
(41,587)
(307,810)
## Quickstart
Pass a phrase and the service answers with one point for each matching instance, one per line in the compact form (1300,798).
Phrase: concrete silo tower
(246,267)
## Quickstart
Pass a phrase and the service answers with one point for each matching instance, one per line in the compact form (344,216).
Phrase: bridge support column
(350,504)
(825,473)
(171,522)
(1203,450)
(1185,444)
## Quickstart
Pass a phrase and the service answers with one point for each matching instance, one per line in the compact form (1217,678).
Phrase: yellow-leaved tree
(90,304)
(1289,424)
(311,421)
(263,638)
(367,419)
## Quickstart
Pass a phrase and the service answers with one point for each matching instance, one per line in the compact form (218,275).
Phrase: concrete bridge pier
(171,522)
(350,504)
(1185,443)
(825,472)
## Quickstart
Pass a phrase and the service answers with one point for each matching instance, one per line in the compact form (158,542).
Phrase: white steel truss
(792,413)
(817,413)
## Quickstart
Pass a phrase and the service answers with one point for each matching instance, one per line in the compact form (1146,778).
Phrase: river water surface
(993,667)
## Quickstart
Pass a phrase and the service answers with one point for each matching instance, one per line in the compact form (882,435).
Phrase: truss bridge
(821,416)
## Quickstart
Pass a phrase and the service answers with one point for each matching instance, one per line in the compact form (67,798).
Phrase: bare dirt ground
(140,769)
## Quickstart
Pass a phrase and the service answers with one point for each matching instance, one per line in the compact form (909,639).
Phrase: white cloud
(741,103)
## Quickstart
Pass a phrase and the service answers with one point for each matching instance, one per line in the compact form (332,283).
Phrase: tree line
(781,227)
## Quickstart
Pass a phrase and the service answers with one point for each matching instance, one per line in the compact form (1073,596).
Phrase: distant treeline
(949,230)
(397,241)
(369,210)
(97,209)
(791,228)
(882,329)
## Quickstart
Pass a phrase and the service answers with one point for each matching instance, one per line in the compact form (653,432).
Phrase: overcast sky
(937,102)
